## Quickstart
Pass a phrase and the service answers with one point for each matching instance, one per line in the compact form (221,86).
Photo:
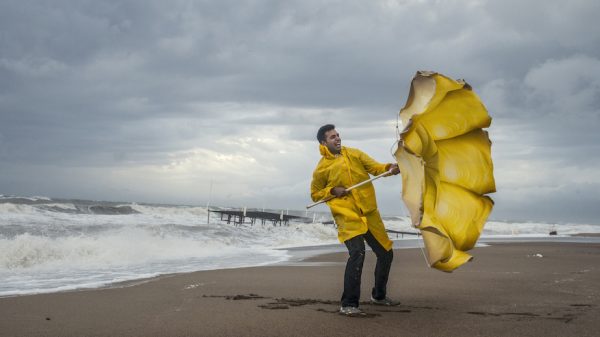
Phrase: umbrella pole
(351,188)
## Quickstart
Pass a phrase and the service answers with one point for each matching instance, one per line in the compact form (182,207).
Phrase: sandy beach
(516,289)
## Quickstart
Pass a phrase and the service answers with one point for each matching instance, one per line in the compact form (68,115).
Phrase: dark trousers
(352,276)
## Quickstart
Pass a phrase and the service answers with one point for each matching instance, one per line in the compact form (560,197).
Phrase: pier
(401,233)
(239,217)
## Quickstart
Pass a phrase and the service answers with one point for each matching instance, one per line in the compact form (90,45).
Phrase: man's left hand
(394,168)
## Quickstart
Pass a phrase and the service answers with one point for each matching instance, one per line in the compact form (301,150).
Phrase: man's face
(333,141)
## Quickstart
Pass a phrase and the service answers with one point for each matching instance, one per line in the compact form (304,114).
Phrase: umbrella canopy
(445,160)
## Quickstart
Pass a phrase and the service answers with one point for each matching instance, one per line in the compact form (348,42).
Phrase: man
(355,214)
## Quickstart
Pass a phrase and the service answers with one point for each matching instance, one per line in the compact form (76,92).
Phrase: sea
(51,245)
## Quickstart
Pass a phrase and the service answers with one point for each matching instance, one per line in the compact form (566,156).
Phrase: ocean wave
(118,248)
(8,206)
(111,210)
(29,251)
(38,263)
(170,210)
(47,245)
(102,246)
(23,200)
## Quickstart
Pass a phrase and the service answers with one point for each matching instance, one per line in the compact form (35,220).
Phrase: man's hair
(322,130)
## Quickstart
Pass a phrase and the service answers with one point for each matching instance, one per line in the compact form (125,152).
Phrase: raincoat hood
(324,150)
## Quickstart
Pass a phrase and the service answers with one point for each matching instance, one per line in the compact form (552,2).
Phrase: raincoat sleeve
(373,167)
(318,187)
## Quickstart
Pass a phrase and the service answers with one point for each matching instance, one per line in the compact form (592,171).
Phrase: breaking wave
(49,245)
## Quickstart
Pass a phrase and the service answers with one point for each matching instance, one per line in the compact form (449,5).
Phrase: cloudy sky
(151,101)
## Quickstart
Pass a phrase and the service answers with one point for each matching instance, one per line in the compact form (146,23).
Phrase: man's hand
(394,168)
(339,191)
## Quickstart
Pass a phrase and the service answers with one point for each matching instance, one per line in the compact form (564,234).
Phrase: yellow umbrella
(445,160)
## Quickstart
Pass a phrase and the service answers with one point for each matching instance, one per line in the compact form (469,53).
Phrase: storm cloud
(156,101)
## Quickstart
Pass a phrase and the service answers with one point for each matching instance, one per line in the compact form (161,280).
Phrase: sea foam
(49,245)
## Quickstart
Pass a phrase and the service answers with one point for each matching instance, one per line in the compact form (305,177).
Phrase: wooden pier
(401,233)
(251,217)
(239,217)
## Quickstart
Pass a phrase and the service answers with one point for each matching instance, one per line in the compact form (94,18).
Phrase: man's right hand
(339,191)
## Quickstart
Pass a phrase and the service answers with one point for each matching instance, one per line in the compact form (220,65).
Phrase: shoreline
(588,235)
(507,290)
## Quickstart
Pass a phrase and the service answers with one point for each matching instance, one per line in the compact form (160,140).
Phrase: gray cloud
(151,100)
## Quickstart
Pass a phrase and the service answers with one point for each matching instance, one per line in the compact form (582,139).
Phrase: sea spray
(49,245)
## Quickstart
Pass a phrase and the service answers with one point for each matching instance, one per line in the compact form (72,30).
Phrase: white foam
(165,211)
(38,198)
(6,208)
(62,206)
(33,198)
(32,263)
(43,249)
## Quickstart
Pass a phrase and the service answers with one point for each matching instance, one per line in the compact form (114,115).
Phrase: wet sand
(516,289)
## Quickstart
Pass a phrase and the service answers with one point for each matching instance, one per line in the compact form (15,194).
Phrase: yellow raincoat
(357,212)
